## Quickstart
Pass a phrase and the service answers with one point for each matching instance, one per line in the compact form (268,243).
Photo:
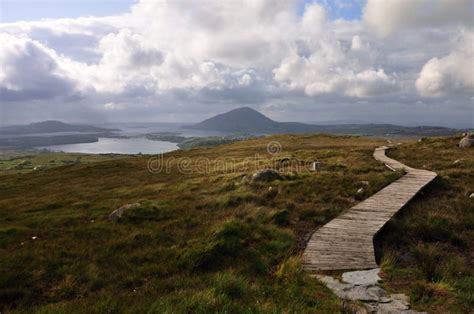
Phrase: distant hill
(243,119)
(50,127)
(248,120)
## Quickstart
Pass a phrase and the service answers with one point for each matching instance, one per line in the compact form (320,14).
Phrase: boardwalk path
(346,242)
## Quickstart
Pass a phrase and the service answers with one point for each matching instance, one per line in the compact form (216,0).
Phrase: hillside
(243,119)
(50,127)
(201,241)
(248,120)
(205,238)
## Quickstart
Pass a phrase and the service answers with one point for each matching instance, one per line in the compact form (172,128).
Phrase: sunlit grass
(199,242)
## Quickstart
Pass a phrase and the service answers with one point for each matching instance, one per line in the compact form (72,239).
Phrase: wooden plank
(346,242)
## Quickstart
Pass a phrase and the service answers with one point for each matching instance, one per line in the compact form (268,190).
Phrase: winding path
(346,242)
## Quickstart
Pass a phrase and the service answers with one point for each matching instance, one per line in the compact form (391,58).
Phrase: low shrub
(282,217)
(429,257)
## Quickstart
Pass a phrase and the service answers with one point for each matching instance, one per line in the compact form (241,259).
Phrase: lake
(116,146)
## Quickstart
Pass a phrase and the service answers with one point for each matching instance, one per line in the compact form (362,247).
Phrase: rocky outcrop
(266,175)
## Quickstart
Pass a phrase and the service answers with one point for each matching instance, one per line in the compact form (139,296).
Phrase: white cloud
(187,55)
(370,83)
(245,79)
(386,16)
(357,44)
(314,19)
(114,106)
(239,34)
(29,70)
(329,65)
(127,59)
(449,74)
(187,73)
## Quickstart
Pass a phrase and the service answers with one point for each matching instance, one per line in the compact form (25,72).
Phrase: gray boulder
(467,141)
(117,214)
(266,175)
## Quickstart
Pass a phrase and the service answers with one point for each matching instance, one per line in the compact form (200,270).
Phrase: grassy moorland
(204,238)
(428,248)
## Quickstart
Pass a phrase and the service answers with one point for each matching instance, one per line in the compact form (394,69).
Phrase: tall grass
(199,242)
(427,249)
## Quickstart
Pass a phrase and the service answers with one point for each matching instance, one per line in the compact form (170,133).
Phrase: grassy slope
(428,247)
(199,242)
(11,162)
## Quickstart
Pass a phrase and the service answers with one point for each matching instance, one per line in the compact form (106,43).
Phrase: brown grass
(199,242)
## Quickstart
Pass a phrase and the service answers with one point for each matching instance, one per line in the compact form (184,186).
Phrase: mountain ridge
(248,120)
(50,126)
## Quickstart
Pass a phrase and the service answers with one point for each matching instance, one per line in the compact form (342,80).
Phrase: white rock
(34,237)
(467,141)
(117,214)
(472,195)
(369,293)
(362,277)
(360,191)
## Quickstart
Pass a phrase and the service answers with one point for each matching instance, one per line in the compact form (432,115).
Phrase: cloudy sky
(400,61)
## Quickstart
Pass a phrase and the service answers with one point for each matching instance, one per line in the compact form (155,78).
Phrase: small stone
(34,237)
(116,214)
(270,189)
(472,195)
(362,277)
(457,161)
(360,191)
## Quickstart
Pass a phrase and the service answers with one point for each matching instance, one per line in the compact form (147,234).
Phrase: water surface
(116,146)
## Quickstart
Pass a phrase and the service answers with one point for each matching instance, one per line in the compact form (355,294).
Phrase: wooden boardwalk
(346,242)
